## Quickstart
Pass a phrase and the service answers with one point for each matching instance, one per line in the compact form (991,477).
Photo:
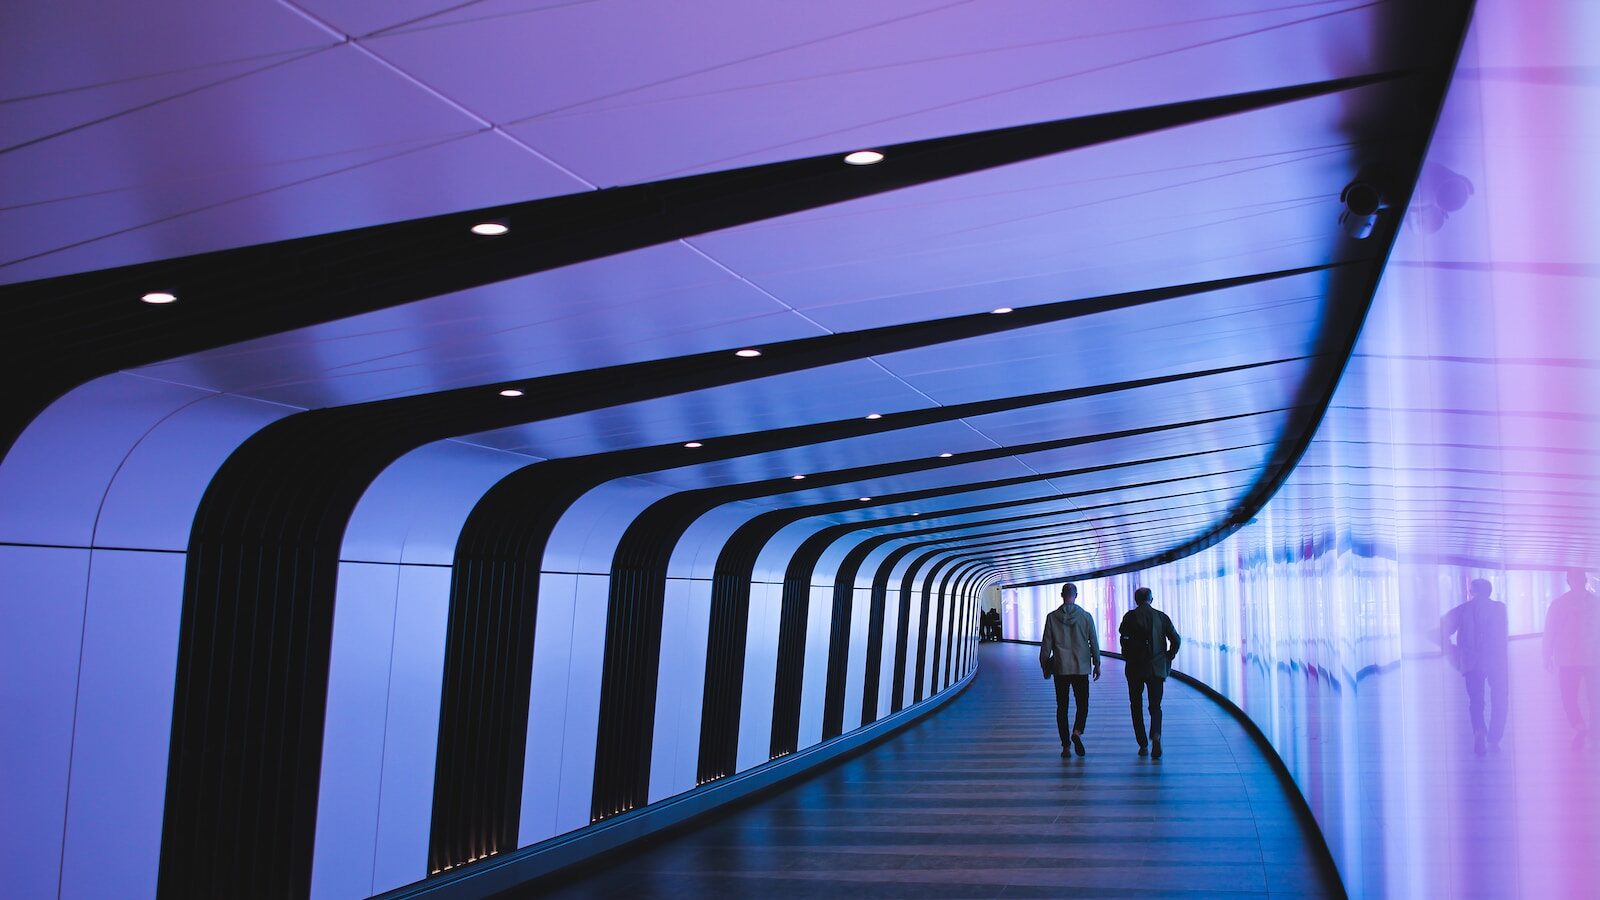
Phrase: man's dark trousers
(1078,685)
(1136,689)
(1572,678)
(1476,680)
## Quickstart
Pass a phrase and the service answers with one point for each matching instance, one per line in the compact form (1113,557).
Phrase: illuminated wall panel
(818,616)
(411,728)
(681,687)
(39,658)
(1461,444)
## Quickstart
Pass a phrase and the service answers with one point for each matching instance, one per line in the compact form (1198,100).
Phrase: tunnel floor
(975,801)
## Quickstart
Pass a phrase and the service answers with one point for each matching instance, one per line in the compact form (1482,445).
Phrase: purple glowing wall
(1461,444)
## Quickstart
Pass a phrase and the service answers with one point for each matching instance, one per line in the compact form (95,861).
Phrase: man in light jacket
(1149,644)
(1571,638)
(1069,652)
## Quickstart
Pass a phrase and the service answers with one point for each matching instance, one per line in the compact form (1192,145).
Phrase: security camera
(1362,200)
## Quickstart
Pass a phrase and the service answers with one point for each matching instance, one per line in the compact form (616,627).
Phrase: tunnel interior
(448,437)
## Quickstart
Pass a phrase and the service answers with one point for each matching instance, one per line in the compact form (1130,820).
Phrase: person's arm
(1172,636)
(1047,647)
(1094,646)
(1553,624)
(1448,623)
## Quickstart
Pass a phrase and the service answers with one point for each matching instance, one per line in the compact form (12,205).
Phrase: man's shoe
(1144,750)
(1077,744)
(1065,752)
(1155,748)
(1478,744)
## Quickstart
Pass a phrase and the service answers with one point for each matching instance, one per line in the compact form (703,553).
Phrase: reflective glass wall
(1461,445)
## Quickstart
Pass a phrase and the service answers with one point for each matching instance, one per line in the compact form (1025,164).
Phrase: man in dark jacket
(1149,643)
(1479,653)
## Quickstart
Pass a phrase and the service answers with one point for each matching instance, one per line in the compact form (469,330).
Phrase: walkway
(975,802)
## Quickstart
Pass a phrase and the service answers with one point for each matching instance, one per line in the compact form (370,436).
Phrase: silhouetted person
(1149,644)
(994,624)
(1571,640)
(1479,654)
(1069,651)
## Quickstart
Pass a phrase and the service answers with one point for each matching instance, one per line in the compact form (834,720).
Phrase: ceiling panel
(962,68)
(122,56)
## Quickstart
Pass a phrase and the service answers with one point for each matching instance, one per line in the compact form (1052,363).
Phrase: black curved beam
(74,328)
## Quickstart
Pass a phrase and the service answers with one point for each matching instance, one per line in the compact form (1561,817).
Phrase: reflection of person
(1149,643)
(1571,639)
(1479,654)
(1068,651)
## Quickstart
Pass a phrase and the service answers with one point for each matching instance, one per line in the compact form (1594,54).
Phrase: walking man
(1149,642)
(1571,640)
(1068,652)
(1479,654)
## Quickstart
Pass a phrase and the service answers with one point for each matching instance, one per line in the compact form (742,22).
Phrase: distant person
(1479,654)
(1571,642)
(992,617)
(1149,644)
(1068,652)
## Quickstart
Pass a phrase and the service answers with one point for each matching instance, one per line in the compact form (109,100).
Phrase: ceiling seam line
(485,123)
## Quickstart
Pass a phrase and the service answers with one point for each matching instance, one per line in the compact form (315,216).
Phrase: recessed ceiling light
(946,455)
(748,353)
(874,415)
(863,157)
(863,499)
(159,297)
(1001,310)
(692,445)
(511,392)
(797,478)
(491,229)
(916,514)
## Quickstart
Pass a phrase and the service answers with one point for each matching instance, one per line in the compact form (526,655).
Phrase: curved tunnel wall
(84,793)
(1460,445)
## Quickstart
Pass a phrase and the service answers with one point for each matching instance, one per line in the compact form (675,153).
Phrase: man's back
(1480,629)
(1068,645)
(1145,632)
(1572,628)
